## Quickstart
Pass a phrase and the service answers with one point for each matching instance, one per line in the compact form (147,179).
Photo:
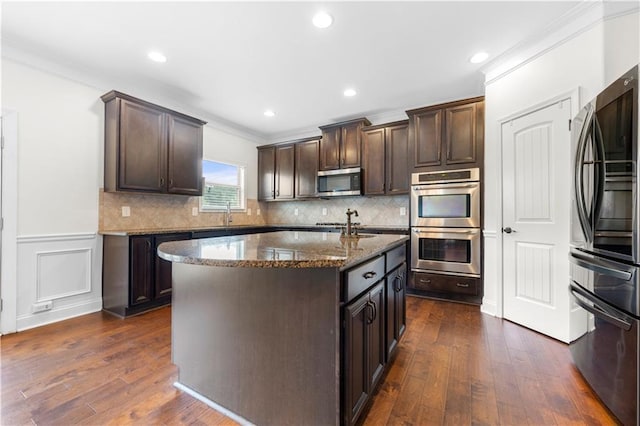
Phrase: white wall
(588,62)
(60,170)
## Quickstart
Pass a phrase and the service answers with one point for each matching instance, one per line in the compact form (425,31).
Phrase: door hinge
(569,124)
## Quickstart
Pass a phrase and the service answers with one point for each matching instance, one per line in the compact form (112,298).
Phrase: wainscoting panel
(63,272)
(492,274)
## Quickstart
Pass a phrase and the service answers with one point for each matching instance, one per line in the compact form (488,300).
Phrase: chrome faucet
(349,213)
(227,215)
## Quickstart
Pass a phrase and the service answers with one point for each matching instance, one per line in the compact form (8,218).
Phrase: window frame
(242,178)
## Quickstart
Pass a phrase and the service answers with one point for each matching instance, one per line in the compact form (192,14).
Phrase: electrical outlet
(126,211)
(248,211)
(324,211)
(295,211)
(42,306)
(258,212)
(403,211)
(194,211)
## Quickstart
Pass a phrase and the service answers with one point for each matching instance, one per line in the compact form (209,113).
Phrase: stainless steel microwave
(332,183)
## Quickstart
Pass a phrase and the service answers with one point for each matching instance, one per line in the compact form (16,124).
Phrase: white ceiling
(229,61)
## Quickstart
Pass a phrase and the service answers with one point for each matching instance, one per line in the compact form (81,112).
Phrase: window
(223,183)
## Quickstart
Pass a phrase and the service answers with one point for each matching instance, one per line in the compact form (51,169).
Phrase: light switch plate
(295,211)
(324,211)
(403,211)
(258,212)
(126,211)
(194,211)
(248,211)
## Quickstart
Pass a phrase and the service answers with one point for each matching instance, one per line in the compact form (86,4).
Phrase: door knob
(508,230)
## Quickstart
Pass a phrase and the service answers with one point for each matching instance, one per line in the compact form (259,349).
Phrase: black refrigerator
(604,256)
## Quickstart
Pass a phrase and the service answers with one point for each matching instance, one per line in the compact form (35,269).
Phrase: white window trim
(243,191)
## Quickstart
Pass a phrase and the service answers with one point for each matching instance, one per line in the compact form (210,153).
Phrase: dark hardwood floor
(454,366)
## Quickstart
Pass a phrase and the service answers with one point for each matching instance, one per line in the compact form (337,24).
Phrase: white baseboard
(215,406)
(49,317)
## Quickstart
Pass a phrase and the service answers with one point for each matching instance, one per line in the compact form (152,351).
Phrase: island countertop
(282,249)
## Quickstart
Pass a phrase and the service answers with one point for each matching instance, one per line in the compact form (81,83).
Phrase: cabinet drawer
(396,256)
(447,284)
(362,277)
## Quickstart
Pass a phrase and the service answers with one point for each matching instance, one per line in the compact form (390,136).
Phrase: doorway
(536,183)
(9,214)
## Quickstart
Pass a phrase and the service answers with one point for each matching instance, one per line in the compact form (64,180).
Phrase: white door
(535,219)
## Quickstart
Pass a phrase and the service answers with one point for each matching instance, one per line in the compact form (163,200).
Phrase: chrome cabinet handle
(368,275)
(161,181)
(463,285)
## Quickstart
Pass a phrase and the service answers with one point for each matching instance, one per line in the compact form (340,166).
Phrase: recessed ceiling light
(479,57)
(157,56)
(269,113)
(350,92)
(322,20)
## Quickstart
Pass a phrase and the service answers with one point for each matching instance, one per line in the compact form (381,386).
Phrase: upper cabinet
(340,144)
(447,136)
(385,153)
(275,172)
(149,148)
(306,168)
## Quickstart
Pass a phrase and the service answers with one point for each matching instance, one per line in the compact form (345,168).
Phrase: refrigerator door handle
(578,174)
(599,169)
(616,270)
(578,295)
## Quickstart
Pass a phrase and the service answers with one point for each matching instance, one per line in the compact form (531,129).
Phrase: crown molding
(577,20)
(95,78)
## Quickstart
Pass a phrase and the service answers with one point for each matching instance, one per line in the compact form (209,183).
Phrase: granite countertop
(280,249)
(147,231)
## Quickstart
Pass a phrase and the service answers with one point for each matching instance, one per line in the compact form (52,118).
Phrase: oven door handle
(448,186)
(445,230)
(612,269)
(578,295)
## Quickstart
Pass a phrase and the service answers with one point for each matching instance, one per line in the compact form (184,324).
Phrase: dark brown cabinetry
(365,352)
(276,172)
(306,168)
(149,148)
(450,287)
(396,307)
(447,136)
(385,152)
(340,144)
(134,278)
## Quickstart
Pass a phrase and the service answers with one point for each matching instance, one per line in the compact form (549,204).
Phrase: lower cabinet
(448,287)
(134,278)
(396,284)
(373,323)
(364,350)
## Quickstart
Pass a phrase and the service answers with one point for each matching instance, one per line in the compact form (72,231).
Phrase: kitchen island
(286,327)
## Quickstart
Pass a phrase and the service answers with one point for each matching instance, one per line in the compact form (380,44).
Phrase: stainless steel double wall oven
(445,222)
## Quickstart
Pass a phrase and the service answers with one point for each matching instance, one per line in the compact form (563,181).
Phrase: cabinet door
(396,308)
(306,168)
(141,258)
(460,135)
(401,302)
(266,173)
(397,149)
(143,148)
(376,338)
(426,138)
(350,146)
(185,156)
(356,380)
(330,149)
(284,172)
(373,161)
(162,277)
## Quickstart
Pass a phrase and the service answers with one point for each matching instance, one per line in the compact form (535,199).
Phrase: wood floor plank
(454,365)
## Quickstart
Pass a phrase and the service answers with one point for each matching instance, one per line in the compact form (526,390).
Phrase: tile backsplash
(155,211)
(372,211)
(159,211)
